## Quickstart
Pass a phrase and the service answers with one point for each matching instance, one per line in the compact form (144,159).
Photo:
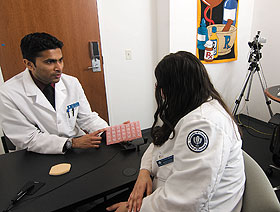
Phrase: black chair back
(7,144)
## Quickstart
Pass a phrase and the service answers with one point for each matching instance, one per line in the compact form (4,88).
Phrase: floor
(256,142)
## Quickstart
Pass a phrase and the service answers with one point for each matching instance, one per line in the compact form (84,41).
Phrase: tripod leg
(237,102)
(249,88)
(267,101)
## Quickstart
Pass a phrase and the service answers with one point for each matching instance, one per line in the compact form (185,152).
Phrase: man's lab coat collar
(31,89)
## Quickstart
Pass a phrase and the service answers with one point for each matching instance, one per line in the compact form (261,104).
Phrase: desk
(19,167)
(272,92)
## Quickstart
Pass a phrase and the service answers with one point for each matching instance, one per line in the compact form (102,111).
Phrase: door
(75,22)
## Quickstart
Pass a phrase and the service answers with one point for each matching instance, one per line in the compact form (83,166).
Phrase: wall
(1,133)
(154,28)
(229,78)
(265,20)
(226,77)
(163,28)
(126,24)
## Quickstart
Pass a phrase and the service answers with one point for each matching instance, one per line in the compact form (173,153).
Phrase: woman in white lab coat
(195,162)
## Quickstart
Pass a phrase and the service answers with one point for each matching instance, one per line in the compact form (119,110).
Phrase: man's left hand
(91,140)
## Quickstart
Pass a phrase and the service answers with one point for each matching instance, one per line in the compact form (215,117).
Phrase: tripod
(253,68)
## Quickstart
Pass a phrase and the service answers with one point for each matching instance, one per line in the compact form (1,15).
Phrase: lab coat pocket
(164,171)
(71,117)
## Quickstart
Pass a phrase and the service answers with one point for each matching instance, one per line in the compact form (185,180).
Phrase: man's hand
(142,185)
(119,207)
(91,140)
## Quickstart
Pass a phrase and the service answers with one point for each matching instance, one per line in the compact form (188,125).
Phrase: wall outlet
(128,55)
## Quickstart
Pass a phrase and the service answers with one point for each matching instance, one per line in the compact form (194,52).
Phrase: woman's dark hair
(32,44)
(182,85)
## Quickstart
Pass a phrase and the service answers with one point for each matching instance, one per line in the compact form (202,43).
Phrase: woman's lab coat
(201,168)
(29,120)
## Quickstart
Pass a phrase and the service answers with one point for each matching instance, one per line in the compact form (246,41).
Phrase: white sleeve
(146,161)
(86,119)
(195,175)
(24,134)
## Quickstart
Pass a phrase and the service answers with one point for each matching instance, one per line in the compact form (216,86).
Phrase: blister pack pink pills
(124,132)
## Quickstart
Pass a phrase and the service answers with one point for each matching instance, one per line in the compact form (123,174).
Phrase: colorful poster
(217,30)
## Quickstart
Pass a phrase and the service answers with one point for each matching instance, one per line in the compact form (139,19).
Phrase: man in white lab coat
(44,110)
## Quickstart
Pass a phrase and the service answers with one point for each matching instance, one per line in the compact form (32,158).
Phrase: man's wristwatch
(67,145)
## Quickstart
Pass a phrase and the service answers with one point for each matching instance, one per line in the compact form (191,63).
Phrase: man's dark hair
(32,44)
(182,86)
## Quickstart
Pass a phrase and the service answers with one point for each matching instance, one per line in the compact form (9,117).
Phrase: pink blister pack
(124,132)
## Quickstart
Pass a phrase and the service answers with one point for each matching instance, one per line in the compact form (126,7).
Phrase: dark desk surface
(108,163)
(272,92)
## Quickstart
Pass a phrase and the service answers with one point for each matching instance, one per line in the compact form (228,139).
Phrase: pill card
(124,132)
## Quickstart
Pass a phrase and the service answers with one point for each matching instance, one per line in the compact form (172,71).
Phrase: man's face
(49,66)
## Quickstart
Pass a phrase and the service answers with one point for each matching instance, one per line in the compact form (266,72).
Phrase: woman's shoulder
(210,112)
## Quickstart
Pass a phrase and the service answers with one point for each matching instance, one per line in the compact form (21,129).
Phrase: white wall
(163,28)
(265,19)
(151,29)
(226,77)
(126,24)
(1,133)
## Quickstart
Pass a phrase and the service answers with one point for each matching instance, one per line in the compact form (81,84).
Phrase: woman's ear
(28,64)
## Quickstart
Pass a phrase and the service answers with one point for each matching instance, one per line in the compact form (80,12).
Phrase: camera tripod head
(256,45)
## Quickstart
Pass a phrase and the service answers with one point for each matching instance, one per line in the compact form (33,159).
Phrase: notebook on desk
(124,132)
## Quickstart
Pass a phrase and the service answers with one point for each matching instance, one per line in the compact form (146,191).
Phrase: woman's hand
(119,207)
(142,185)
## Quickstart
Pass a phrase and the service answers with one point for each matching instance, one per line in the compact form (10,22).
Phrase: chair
(7,144)
(259,195)
(274,144)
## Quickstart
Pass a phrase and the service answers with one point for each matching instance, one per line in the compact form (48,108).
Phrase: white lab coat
(30,122)
(210,180)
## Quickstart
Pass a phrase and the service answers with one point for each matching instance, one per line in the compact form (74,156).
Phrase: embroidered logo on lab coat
(197,141)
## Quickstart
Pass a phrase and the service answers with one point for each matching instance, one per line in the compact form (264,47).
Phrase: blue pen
(68,113)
